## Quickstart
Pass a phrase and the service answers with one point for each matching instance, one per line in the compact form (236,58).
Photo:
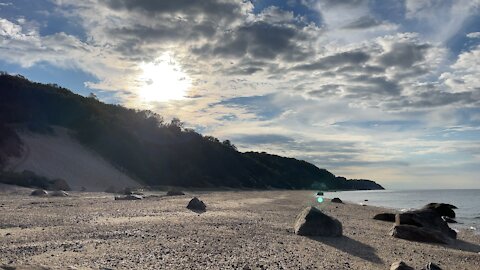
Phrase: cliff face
(149,150)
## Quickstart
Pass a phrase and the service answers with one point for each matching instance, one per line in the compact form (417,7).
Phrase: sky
(387,90)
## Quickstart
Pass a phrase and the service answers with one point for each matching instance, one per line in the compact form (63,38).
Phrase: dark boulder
(419,234)
(400,266)
(131,197)
(431,266)
(428,219)
(312,222)
(175,193)
(319,193)
(39,192)
(196,205)
(385,217)
(442,209)
(336,200)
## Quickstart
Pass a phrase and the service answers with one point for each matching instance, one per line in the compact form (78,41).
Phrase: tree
(229,144)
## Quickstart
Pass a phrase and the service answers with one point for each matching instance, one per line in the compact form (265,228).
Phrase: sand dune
(61,156)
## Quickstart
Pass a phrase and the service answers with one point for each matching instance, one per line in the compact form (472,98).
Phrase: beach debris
(312,222)
(175,193)
(59,193)
(385,217)
(39,192)
(400,265)
(196,205)
(443,209)
(431,266)
(131,197)
(336,200)
(23,267)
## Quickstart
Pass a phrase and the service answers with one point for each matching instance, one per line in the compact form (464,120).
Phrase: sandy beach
(240,230)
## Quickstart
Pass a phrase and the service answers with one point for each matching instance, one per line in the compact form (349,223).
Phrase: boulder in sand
(443,209)
(39,192)
(419,234)
(60,184)
(312,222)
(336,200)
(59,193)
(385,217)
(400,266)
(196,205)
(427,219)
(175,193)
(131,197)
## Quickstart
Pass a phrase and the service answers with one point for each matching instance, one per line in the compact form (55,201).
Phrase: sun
(163,80)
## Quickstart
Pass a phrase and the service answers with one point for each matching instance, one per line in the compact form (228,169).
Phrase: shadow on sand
(464,246)
(351,246)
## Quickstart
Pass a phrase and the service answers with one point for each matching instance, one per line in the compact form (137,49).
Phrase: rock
(175,193)
(385,217)
(336,200)
(319,193)
(449,220)
(431,266)
(131,197)
(59,193)
(419,234)
(312,222)
(39,192)
(443,209)
(23,267)
(196,205)
(428,219)
(400,266)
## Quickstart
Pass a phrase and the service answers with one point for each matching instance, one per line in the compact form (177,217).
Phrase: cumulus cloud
(272,79)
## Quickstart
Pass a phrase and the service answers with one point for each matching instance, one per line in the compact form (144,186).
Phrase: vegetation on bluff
(146,147)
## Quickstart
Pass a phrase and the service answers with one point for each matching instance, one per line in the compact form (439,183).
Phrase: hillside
(145,147)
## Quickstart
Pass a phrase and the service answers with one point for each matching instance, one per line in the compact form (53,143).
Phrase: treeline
(146,147)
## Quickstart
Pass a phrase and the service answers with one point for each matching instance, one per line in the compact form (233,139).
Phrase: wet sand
(240,230)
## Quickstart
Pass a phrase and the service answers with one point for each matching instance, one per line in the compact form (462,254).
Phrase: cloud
(473,35)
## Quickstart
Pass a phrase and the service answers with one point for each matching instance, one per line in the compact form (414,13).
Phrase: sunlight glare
(163,80)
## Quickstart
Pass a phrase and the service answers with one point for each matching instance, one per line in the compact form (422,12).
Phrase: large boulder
(428,219)
(196,205)
(419,234)
(39,192)
(312,222)
(385,217)
(442,209)
(336,200)
(400,266)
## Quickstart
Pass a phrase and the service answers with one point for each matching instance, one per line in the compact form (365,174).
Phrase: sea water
(467,201)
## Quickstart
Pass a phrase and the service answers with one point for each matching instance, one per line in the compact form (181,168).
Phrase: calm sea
(467,201)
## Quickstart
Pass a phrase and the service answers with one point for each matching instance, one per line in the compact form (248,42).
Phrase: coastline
(240,230)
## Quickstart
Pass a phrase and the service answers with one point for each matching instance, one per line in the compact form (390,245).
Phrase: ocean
(467,201)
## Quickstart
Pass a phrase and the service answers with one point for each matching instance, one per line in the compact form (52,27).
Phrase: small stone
(400,266)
